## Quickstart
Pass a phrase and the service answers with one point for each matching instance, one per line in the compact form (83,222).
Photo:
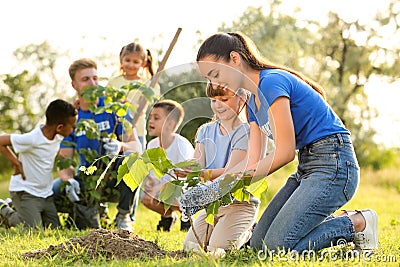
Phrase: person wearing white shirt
(31,184)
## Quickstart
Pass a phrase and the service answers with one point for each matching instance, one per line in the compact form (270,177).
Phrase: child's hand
(19,170)
(248,174)
(181,172)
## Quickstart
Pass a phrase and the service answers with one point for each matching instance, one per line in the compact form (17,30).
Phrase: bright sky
(63,23)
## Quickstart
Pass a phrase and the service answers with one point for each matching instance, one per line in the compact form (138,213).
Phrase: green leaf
(88,127)
(132,108)
(95,195)
(90,155)
(158,158)
(157,172)
(193,167)
(100,110)
(226,199)
(148,93)
(121,112)
(193,174)
(64,163)
(108,100)
(239,191)
(125,166)
(258,187)
(189,164)
(67,143)
(129,160)
(247,177)
(225,183)
(169,192)
(137,172)
(211,210)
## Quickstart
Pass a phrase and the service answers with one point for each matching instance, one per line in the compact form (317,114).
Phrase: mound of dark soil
(120,244)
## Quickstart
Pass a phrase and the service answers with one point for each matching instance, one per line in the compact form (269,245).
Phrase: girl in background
(136,65)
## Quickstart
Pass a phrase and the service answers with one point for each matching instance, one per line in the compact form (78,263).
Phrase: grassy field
(378,190)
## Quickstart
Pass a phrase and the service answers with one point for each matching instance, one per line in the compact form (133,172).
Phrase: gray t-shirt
(219,146)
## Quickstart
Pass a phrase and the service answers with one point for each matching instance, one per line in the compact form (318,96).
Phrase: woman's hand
(206,175)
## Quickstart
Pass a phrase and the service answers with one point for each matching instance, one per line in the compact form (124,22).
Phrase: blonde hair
(80,64)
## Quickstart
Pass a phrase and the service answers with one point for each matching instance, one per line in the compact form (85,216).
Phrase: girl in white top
(136,65)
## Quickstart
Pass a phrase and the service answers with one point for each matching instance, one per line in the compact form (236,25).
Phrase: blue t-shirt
(218,146)
(106,122)
(313,118)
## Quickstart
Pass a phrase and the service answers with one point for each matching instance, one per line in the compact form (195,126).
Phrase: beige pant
(231,230)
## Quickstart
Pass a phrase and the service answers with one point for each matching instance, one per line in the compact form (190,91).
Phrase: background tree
(342,56)
(15,107)
(41,76)
(24,95)
(184,85)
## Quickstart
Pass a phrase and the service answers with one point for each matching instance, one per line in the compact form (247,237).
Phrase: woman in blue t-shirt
(292,110)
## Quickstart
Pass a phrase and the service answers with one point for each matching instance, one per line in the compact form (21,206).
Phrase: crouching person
(31,184)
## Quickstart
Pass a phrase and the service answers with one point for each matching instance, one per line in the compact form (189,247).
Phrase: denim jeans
(299,216)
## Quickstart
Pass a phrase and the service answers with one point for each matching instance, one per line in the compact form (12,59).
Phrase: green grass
(377,190)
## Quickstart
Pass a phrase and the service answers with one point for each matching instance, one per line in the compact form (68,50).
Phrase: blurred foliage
(103,166)
(184,85)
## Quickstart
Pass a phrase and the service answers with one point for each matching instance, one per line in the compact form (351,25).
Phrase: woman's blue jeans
(299,215)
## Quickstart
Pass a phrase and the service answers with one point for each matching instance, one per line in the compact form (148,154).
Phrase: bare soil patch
(118,244)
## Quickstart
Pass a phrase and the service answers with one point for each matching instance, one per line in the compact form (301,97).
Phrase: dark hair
(145,55)
(83,63)
(220,91)
(220,46)
(59,111)
(174,109)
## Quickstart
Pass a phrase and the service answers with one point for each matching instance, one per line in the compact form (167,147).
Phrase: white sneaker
(3,203)
(368,239)
(123,221)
